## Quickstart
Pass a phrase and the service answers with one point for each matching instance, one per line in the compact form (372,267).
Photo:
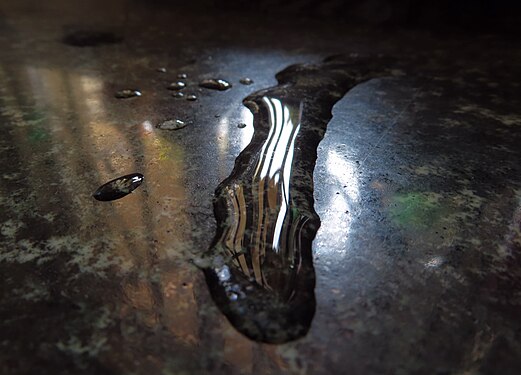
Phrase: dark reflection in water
(261,275)
(119,187)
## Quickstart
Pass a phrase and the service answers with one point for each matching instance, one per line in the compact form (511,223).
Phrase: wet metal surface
(417,185)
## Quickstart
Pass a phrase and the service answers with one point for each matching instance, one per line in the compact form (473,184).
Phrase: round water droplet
(215,84)
(177,85)
(119,187)
(161,70)
(172,125)
(242,125)
(191,97)
(127,93)
(178,94)
(246,81)
(182,76)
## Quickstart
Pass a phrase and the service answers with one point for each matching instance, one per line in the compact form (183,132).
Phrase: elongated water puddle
(261,274)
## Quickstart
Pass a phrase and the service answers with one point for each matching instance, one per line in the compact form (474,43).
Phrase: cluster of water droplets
(178,91)
(124,185)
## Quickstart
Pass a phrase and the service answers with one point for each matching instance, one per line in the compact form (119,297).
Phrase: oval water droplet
(246,81)
(177,85)
(119,187)
(182,76)
(242,125)
(161,70)
(215,84)
(191,97)
(178,94)
(172,125)
(127,93)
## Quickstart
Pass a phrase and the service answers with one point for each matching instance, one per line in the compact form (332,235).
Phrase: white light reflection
(342,193)
(344,172)
(258,203)
(434,262)
(147,127)
(247,132)
(92,87)
(222,135)
(276,159)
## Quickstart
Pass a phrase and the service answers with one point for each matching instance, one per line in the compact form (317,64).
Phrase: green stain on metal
(415,210)
(38,134)
(34,120)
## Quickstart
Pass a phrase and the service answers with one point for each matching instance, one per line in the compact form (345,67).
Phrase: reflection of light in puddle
(277,158)
(259,206)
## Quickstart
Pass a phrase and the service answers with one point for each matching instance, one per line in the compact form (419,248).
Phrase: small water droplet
(246,81)
(177,85)
(215,84)
(178,94)
(127,93)
(172,125)
(161,70)
(182,76)
(119,187)
(191,97)
(242,125)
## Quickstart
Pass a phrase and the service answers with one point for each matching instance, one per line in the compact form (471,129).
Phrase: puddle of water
(261,274)
(119,187)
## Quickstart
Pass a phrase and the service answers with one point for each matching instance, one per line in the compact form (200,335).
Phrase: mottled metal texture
(417,186)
